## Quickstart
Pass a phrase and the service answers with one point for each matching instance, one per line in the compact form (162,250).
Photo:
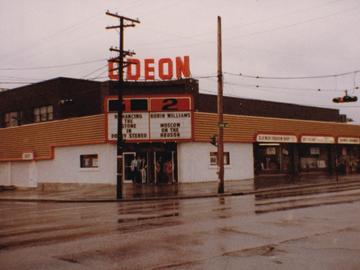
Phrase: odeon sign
(149,69)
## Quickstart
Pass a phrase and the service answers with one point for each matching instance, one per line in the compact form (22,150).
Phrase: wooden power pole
(220,106)
(121,64)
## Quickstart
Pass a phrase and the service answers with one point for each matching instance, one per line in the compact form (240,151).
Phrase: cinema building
(63,131)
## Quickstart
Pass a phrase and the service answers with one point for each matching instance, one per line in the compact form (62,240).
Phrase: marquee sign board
(153,118)
(170,125)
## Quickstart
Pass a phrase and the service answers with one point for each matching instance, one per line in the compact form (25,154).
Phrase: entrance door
(164,167)
(127,158)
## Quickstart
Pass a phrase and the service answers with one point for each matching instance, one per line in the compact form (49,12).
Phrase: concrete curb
(158,198)
(280,189)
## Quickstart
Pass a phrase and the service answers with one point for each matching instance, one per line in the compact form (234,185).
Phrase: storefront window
(348,159)
(314,157)
(272,158)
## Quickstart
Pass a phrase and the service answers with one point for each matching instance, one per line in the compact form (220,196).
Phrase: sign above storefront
(151,118)
(318,139)
(276,138)
(149,69)
(348,140)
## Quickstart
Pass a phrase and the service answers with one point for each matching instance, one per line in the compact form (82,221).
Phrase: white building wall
(65,168)
(194,162)
(193,165)
(5,173)
(20,174)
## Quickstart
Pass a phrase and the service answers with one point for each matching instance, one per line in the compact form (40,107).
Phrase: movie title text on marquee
(135,126)
(165,118)
(170,125)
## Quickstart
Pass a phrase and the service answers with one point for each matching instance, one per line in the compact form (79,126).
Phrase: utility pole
(121,65)
(220,107)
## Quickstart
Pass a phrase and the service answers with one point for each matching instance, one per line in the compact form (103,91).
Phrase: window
(89,161)
(213,158)
(12,119)
(44,113)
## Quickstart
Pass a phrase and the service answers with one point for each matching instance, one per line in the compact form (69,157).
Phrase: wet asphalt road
(240,232)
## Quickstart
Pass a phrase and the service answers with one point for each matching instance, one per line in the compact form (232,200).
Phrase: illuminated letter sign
(134,64)
(151,69)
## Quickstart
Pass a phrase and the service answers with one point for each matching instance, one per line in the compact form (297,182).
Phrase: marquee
(154,118)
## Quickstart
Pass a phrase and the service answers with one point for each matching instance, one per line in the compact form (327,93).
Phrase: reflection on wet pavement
(211,233)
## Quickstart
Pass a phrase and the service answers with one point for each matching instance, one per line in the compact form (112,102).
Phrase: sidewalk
(131,192)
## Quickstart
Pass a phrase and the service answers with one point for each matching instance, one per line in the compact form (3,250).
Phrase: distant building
(64,131)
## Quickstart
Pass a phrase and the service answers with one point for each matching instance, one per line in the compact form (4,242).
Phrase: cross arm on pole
(122,17)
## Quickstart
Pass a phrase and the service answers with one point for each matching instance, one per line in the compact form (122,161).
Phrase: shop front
(348,155)
(274,154)
(316,154)
(154,163)
(152,128)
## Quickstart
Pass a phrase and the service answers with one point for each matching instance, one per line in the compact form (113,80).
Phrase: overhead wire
(51,37)
(291,77)
(55,66)
(282,15)
(284,88)
(274,87)
(94,71)
(201,34)
(253,33)
(352,9)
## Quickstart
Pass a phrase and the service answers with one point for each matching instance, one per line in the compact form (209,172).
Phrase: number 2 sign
(162,104)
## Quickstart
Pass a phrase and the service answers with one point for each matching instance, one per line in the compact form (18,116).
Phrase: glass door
(164,167)
(128,157)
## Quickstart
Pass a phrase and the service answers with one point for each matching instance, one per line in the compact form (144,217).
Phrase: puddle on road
(68,259)
(268,250)
(142,218)
(231,230)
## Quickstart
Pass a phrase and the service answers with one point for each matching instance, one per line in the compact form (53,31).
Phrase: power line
(282,15)
(19,53)
(16,82)
(94,71)
(291,77)
(296,24)
(206,33)
(204,76)
(284,88)
(55,66)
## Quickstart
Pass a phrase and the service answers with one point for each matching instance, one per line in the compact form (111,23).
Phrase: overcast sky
(44,39)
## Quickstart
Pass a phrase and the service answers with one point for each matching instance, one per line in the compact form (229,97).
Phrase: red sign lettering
(149,70)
